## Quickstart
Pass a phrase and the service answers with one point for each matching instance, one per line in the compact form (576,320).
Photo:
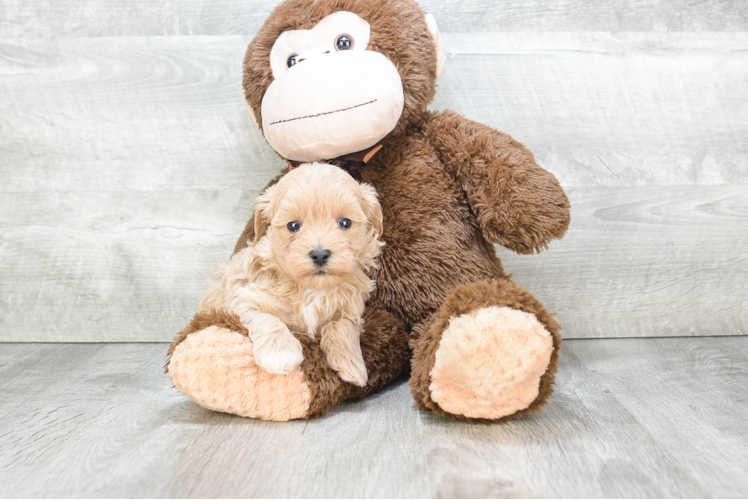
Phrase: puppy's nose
(319,256)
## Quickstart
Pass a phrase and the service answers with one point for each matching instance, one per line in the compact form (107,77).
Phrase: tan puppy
(316,238)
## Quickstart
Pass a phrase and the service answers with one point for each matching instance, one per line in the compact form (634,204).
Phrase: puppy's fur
(274,286)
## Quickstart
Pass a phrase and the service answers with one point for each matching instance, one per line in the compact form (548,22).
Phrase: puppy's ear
(372,210)
(262,217)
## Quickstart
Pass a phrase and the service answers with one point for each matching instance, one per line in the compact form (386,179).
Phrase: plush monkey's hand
(518,204)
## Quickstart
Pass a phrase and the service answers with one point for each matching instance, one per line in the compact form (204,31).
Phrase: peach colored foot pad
(489,363)
(216,369)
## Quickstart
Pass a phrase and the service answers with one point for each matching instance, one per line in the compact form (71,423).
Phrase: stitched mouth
(325,113)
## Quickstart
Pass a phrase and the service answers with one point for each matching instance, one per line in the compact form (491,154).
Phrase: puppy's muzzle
(320,256)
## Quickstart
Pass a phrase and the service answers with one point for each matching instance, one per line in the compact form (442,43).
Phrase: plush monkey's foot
(216,368)
(212,362)
(488,354)
(489,363)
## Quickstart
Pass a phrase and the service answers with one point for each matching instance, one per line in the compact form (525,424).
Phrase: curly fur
(275,289)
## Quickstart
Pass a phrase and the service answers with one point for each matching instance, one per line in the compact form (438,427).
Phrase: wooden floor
(630,418)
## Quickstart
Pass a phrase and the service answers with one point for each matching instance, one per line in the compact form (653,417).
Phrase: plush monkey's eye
(291,60)
(344,223)
(344,42)
(293,226)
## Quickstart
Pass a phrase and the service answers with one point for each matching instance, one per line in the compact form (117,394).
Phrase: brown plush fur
(449,188)
(384,344)
(202,320)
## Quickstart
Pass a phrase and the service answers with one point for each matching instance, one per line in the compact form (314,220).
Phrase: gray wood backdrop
(128,163)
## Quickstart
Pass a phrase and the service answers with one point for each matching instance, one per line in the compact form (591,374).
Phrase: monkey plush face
(324,78)
(329,94)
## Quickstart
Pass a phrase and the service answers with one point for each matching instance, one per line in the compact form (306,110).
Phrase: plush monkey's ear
(441,49)
(372,210)
(262,217)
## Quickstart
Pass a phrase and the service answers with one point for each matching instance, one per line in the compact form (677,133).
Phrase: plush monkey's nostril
(320,256)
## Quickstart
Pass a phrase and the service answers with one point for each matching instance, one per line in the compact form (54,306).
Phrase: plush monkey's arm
(518,204)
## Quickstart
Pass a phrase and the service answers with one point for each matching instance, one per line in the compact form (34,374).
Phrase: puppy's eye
(294,226)
(344,42)
(344,223)
(291,60)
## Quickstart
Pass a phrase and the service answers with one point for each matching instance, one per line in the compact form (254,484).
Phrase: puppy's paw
(349,366)
(280,357)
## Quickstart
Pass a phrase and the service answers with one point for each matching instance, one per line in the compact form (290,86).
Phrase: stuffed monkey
(349,82)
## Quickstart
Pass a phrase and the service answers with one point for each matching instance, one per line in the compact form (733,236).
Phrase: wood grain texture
(630,418)
(49,18)
(141,114)
(128,166)
(624,109)
(111,265)
(656,261)
(156,113)
(646,261)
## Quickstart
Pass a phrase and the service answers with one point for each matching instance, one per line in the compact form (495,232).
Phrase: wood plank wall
(128,162)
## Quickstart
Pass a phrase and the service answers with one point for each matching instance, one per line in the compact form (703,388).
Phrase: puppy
(316,237)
